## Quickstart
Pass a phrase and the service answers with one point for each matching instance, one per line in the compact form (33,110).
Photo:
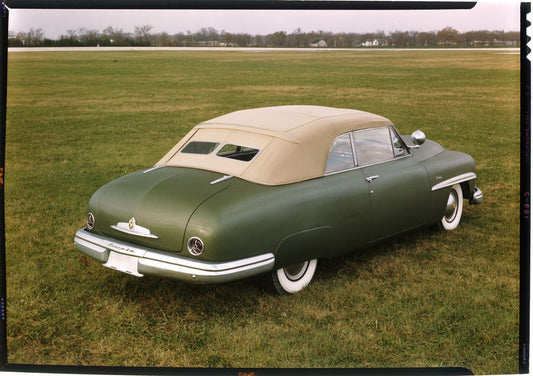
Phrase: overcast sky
(486,15)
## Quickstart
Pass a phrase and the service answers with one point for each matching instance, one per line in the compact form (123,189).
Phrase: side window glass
(373,145)
(397,143)
(340,155)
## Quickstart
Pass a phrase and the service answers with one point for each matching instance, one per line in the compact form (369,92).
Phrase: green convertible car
(271,190)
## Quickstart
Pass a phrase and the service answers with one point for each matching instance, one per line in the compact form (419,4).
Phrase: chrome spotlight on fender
(418,137)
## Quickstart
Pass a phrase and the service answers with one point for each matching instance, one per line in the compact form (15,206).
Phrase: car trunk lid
(152,207)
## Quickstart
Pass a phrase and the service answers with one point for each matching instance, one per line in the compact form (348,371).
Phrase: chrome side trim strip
(455,180)
(164,264)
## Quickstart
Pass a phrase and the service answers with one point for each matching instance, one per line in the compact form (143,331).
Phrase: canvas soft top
(293,141)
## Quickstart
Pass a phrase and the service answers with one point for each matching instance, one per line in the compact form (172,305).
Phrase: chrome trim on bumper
(164,264)
(455,180)
(477,197)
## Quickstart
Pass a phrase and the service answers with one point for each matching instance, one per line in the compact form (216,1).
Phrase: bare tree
(32,38)
(277,39)
(142,35)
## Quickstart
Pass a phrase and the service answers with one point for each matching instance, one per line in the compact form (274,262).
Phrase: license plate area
(123,263)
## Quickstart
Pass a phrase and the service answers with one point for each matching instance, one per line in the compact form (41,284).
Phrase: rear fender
(304,245)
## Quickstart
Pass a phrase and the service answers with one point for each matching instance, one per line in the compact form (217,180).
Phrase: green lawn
(427,299)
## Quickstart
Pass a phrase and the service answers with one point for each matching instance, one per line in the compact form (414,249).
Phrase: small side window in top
(241,153)
(340,155)
(199,147)
(397,143)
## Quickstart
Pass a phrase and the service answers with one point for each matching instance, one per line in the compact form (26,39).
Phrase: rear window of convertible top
(238,152)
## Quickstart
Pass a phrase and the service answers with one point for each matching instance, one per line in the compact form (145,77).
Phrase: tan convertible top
(293,141)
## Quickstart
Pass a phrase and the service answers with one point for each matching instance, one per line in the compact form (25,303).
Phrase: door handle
(371,178)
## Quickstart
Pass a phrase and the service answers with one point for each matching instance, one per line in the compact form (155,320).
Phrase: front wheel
(293,278)
(454,209)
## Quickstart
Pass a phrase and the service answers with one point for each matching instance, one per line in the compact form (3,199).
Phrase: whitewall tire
(294,278)
(453,210)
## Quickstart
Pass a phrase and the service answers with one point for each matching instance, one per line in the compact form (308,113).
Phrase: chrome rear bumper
(138,261)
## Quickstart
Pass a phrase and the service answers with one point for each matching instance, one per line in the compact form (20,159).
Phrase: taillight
(195,246)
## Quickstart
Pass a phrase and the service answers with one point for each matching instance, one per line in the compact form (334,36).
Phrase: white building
(318,43)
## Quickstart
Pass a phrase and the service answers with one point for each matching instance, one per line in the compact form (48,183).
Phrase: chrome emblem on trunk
(131,227)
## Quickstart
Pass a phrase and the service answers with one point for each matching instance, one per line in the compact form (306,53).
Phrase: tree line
(210,37)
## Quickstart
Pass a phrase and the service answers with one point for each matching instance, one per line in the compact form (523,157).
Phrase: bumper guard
(477,197)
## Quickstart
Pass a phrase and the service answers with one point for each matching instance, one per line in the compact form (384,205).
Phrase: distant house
(207,43)
(371,43)
(494,43)
(318,43)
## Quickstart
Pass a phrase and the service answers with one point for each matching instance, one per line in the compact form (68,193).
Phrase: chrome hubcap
(451,207)
(296,271)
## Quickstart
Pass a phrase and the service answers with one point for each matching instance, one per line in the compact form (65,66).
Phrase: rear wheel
(293,278)
(454,209)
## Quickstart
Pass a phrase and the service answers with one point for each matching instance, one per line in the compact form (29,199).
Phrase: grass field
(427,299)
